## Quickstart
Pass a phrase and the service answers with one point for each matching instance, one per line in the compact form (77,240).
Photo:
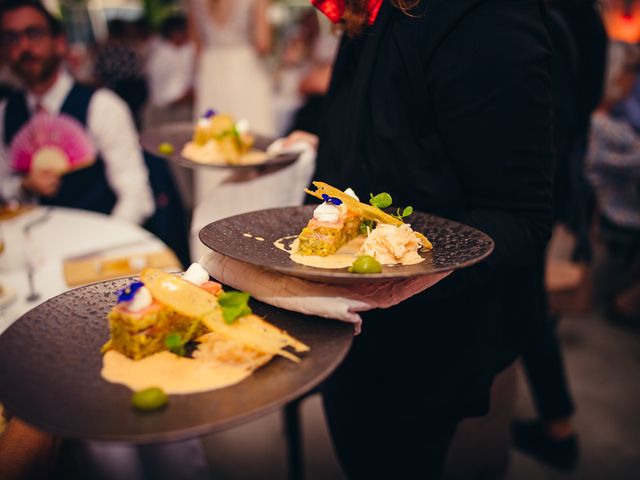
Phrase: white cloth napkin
(340,302)
(253,189)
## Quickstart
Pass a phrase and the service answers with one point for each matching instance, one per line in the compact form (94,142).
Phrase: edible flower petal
(127,293)
(333,200)
(209,113)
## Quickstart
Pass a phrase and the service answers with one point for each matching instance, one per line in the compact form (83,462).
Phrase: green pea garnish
(166,148)
(149,399)
(365,264)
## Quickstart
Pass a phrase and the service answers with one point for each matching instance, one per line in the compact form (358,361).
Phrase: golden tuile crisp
(368,212)
(192,301)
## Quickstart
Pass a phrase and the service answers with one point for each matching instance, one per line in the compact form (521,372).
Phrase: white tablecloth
(65,233)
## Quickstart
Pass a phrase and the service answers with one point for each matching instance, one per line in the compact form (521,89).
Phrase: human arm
(489,85)
(262,28)
(111,127)
(192,23)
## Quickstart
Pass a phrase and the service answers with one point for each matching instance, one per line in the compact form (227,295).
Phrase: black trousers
(543,362)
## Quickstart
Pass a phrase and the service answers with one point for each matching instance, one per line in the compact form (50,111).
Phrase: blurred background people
(614,171)
(577,79)
(170,73)
(117,182)
(119,68)
(170,70)
(232,36)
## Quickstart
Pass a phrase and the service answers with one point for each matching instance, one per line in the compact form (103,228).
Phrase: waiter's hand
(301,136)
(45,183)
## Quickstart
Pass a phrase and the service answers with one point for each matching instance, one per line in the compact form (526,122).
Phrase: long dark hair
(356,15)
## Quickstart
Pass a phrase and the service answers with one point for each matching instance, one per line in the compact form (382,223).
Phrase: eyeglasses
(12,38)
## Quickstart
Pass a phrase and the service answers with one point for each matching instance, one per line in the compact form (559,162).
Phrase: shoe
(531,438)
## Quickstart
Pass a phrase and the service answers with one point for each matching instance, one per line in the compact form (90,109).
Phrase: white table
(65,233)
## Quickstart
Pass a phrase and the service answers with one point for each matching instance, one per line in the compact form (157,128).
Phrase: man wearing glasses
(34,45)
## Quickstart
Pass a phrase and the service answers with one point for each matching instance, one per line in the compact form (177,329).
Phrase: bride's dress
(231,78)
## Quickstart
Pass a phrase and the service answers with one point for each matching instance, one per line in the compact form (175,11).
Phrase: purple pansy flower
(126,294)
(333,200)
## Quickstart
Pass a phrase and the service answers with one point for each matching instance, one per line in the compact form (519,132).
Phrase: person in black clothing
(446,105)
(577,83)
(575,204)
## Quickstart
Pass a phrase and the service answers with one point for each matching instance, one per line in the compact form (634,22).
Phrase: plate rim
(279,160)
(186,432)
(339,275)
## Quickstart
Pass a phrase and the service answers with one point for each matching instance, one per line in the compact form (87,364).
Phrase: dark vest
(86,188)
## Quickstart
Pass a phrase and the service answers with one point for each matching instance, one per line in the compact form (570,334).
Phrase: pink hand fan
(52,142)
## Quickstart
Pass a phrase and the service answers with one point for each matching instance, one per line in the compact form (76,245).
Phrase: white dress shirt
(170,71)
(110,126)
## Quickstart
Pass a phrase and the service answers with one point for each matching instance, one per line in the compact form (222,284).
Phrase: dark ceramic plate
(50,366)
(454,245)
(177,134)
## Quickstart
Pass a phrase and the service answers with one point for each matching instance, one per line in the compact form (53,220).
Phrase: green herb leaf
(407,211)
(381,200)
(234,305)
(365,226)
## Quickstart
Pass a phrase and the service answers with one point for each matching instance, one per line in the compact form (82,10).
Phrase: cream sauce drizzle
(344,257)
(169,372)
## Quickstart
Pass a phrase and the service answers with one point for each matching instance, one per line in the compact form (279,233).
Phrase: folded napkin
(340,302)
(224,194)
(94,269)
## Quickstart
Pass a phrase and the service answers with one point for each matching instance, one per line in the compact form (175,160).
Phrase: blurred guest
(143,39)
(119,68)
(232,36)
(170,71)
(552,438)
(577,77)
(614,171)
(117,182)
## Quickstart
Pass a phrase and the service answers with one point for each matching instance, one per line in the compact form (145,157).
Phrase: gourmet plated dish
(182,333)
(221,140)
(345,232)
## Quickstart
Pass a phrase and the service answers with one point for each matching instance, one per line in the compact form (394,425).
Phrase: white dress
(230,78)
